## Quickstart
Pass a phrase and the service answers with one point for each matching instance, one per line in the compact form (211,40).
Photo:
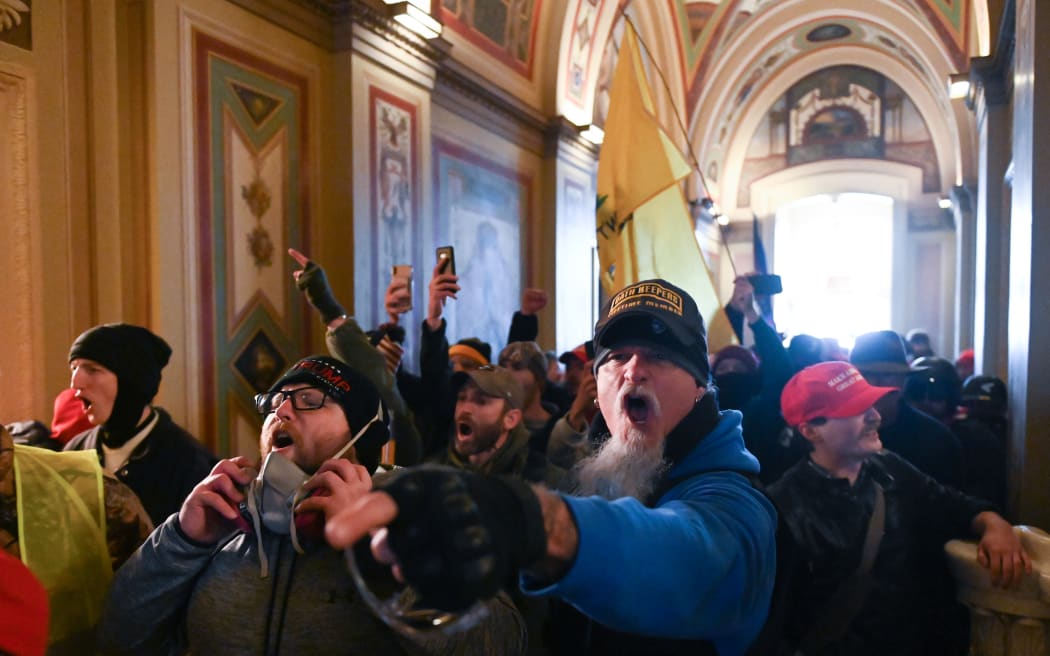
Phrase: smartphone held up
(402,273)
(766,284)
(446,258)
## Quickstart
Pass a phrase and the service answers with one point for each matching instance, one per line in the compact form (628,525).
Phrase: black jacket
(926,443)
(162,469)
(828,520)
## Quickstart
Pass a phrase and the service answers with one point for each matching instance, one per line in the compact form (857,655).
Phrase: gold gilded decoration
(257,196)
(261,246)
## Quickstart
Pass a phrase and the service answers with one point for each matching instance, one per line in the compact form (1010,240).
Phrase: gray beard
(621,468)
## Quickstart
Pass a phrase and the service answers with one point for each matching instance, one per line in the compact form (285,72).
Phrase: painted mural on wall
(394,129)
(835,113)
(252,186)
(482,208)
(505,29)
(16,23)
(840,112)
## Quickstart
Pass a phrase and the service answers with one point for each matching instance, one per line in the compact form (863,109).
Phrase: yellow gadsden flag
(644,227)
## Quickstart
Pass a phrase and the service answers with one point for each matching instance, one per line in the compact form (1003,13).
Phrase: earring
(595,403)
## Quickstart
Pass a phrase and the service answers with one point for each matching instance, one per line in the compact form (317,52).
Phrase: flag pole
(707,202)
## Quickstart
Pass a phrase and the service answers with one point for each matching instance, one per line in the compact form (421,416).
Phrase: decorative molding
(372,15)
(563,137)
(463,92)
(313,20)
(329,23)
(20,376)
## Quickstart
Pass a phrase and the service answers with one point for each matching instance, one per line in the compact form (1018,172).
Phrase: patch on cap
(646,294)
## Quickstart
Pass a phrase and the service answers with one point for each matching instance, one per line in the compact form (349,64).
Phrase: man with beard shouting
(489,434)
(666,547)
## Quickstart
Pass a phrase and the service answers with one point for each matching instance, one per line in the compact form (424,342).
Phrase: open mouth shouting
(281,438)
(91,411)
(637,407)
(464,428)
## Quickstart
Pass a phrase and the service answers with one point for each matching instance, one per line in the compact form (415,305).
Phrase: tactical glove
(314,282)
(460,537)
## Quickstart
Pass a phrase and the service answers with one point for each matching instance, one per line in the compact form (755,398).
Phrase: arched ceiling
(729,61)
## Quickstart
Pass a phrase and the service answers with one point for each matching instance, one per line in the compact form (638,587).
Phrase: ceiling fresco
(707,29)
(800,42)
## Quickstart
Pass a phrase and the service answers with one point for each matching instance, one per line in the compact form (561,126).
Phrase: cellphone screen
(447,258)
(404,272)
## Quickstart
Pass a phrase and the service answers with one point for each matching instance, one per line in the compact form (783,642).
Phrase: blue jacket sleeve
(700,565)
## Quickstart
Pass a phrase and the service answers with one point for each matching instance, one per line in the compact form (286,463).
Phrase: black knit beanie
(355,394)
(136,356)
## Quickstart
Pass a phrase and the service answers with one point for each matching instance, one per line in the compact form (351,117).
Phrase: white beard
(622,468)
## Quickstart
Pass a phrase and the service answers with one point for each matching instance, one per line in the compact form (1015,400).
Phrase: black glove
(314,282)
(459,536)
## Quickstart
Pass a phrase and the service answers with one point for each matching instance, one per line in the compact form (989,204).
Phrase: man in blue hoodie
(665,546)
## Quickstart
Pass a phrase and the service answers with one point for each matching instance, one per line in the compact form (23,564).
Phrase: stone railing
(1014,622)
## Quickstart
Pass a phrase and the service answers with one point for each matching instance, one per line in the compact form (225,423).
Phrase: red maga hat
(828,389)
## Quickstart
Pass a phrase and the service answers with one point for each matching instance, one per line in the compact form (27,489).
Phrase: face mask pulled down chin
(271,497)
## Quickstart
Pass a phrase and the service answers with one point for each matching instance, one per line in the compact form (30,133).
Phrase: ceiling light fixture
(415,17)
(958,86)
(593,133)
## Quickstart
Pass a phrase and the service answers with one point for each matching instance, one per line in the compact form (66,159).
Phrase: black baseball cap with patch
(659,314)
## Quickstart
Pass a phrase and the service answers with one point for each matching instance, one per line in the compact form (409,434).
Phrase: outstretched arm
(524,325)
(312,280)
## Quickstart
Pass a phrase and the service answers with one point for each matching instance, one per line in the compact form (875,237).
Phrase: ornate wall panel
(252,186)
(483,209)
(393,126)
(18,367)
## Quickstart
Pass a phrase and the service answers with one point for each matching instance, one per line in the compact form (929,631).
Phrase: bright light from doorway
(835,256)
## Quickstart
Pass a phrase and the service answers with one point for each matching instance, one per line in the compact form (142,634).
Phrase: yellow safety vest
(62,533)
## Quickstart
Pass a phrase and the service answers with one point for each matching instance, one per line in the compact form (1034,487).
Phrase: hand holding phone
(766,284)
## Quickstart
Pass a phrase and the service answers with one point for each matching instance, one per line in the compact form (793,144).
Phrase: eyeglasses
(304,398)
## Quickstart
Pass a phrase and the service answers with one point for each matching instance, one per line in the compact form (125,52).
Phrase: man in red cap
(862,519)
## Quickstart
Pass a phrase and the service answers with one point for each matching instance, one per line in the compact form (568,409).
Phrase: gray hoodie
(174,595)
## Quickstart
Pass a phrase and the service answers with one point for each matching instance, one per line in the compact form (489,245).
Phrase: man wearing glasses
(243,566)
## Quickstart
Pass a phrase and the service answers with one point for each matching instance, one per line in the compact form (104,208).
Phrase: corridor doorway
(835,255)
